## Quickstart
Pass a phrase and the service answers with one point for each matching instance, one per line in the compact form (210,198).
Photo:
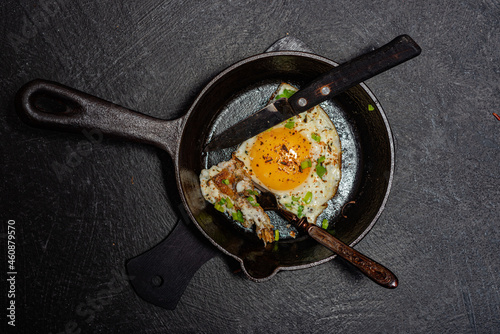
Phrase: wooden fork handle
(375,271)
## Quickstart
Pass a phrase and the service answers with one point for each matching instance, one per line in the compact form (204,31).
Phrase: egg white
(253,216)
(313,121)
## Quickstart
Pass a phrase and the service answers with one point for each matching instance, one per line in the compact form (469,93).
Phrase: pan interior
(367,159)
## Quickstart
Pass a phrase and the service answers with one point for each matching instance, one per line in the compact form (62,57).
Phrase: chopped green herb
(225,181)
(252,192)
(219,207)
(286,93)
(320,170)
(288,205)
(324,224)
(290,124)
(252,201)
(308,197)
(316,137)
(229,204)
(305,164)
(299,211)
(276,235)
(238,216)
(371,108)
(222,201)
(295,199)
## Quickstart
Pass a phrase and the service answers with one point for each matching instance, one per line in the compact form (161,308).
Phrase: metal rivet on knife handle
(355,71)
(325,90)
(302,102)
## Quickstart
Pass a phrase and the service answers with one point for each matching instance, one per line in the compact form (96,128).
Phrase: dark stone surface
(82,208)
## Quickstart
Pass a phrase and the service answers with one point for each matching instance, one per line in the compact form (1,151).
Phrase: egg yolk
(276,157)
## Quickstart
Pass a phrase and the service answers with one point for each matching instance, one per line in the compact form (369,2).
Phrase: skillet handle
(351,73)
(375,271)
(48,104)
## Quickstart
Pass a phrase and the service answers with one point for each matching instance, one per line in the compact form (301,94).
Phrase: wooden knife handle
(350,73)
(375,271)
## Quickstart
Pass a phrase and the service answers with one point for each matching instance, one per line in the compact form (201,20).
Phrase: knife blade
(329,84)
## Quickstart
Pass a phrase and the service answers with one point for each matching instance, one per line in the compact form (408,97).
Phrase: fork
(373,270)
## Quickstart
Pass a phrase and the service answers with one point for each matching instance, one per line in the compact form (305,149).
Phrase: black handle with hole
(51,105)
(161,274)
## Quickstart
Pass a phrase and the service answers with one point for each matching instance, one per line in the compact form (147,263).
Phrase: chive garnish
(225,181)
(305,164)
(324,224)
(252,201)
(320,170)
(308,197)
(316,137)
(252,192)
(238,216)
(286,93)
(219,207)
(299,211)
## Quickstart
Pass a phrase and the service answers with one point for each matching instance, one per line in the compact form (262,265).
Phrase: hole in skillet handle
(51,103)
(47,104)
(42,102)
(157,281)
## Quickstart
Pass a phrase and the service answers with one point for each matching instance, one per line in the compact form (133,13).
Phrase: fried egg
(298,160)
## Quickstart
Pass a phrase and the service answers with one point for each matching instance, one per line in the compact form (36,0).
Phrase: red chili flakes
(496,116)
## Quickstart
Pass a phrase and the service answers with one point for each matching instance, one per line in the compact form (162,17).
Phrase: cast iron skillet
(52,105)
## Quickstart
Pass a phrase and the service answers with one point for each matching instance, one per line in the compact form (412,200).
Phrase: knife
(329,84)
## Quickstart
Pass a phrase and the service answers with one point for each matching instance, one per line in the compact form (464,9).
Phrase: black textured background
(114,200)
